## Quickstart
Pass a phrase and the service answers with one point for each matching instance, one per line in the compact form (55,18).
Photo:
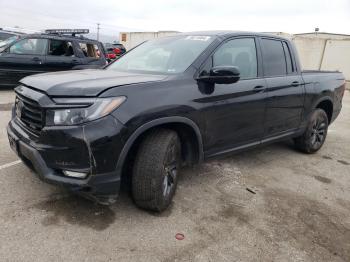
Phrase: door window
(289,61)
(273,57)
(60,48)
(90,50)
(29,47)
(240,53)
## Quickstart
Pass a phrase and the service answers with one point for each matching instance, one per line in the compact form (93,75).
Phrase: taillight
(117,51)
(344,87)
(343,92)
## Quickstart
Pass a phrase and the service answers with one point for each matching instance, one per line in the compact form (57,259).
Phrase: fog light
(74,174)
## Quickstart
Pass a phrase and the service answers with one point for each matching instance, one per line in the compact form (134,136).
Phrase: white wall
(324,53)
(323,36)
(337,56)
(310,51)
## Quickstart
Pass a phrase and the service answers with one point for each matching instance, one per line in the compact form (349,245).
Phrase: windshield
(6,42)
(170,55)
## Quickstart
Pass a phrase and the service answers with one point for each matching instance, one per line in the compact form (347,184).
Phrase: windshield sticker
(198,38)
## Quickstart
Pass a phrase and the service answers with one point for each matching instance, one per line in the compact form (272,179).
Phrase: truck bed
(318,71)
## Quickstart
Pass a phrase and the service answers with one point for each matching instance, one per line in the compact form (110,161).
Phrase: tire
(315,134)
(155,171)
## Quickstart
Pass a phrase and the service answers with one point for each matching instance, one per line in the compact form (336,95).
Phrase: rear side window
(273,57)
(60,48)
(289,61)
(30,46)
(90,50)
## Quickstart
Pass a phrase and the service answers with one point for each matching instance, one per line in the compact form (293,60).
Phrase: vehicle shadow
(76,210)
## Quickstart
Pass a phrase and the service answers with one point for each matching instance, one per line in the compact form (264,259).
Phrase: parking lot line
(10,164)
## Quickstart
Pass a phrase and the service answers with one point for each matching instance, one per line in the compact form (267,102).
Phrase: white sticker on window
(198,38)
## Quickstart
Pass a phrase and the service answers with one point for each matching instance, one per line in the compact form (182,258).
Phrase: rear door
(61,55)
(22,58)
(285,88)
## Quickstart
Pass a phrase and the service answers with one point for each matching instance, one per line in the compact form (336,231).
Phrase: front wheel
(155,170)
(315,134)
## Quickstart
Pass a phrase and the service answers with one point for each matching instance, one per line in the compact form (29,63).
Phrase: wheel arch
(326,104)
(185,128)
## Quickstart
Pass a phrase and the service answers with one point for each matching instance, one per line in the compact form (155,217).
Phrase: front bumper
(88,148)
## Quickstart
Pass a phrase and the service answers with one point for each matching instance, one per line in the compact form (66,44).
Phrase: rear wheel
(156,169)
(315,134)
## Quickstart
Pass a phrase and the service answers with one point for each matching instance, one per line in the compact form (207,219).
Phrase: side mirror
(222,75)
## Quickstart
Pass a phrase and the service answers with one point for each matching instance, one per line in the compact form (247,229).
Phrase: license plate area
(13,143)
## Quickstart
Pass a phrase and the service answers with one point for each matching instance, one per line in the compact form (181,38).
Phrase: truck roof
(228,33)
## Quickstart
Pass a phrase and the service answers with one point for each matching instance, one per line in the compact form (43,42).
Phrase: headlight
(78,114)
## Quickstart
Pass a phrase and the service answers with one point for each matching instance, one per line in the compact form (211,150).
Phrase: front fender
(153,123)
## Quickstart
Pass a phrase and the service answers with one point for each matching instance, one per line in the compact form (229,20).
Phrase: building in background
(132,39)
(324,51)
(317,50)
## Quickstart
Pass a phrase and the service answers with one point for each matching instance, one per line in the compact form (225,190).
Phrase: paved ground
(298,210)
(7,97)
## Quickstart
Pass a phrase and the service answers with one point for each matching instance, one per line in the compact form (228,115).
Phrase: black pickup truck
(168,103)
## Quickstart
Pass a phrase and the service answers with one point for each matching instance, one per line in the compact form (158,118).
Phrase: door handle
(37,59)
(295,83)
(75,61)
(259,88)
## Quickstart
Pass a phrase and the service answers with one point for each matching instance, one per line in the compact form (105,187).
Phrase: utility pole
(98,31)
(317,30)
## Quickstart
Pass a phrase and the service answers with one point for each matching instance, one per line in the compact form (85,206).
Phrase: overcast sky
(291,16)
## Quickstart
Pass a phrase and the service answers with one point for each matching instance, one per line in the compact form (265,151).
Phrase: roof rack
(72,32)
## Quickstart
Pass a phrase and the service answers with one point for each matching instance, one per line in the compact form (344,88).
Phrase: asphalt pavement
(267,204)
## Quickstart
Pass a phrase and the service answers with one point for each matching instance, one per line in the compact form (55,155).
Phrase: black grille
(30,113)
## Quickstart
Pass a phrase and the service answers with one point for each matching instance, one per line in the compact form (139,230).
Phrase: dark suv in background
(53,50)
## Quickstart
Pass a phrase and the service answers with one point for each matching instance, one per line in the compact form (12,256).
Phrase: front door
(234,113)
(61,55)
(24,57)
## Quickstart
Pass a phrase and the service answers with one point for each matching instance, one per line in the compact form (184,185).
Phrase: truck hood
(89,82)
